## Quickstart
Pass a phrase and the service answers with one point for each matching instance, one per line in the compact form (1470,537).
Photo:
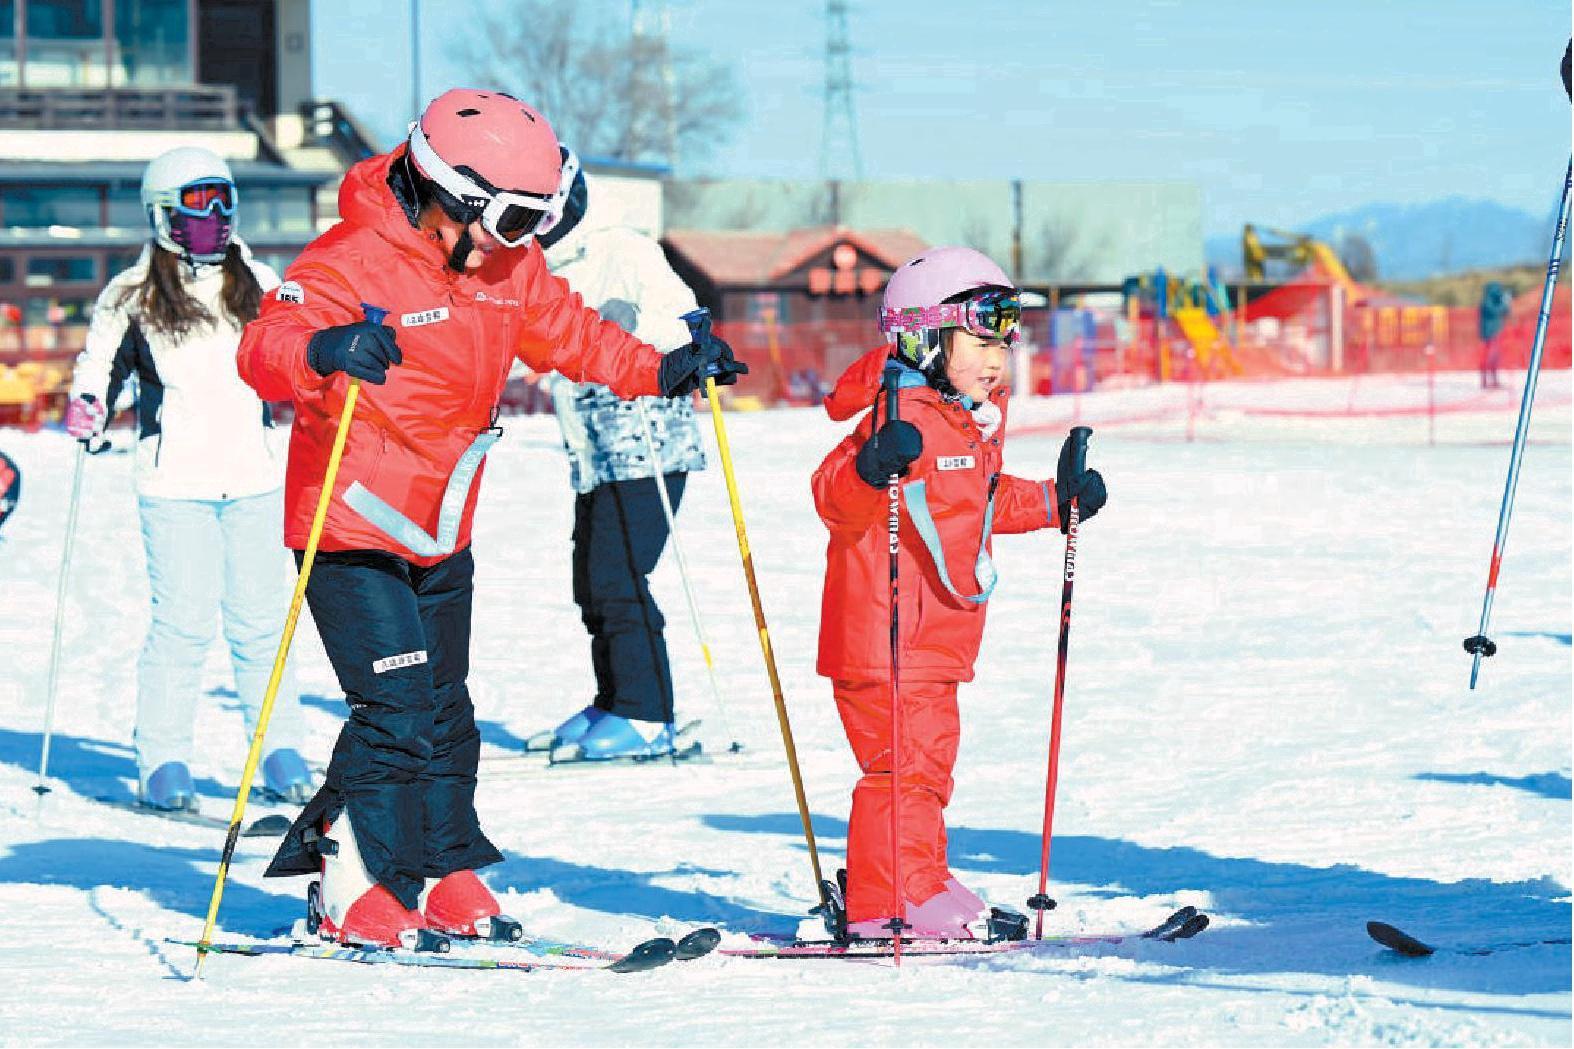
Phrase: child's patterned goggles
(203,197)
(991,315)
(510,217)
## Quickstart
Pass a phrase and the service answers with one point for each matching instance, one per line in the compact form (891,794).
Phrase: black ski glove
(686,368)
(363,350)
(891,450)
(1086,486)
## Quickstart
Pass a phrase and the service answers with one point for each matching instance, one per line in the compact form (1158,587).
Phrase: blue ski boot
(285,775)
(170,788)
(563,742)
(618,737)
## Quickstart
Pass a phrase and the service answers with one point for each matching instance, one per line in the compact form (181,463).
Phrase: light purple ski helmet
(924,282)
(935,275)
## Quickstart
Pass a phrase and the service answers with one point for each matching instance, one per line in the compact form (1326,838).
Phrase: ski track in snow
(1266,716)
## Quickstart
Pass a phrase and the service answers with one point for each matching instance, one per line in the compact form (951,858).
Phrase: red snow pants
(930,733)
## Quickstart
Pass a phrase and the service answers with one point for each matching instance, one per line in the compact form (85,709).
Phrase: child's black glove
(1073,480)
(891,450)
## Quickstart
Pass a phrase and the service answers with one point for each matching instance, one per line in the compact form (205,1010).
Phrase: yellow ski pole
(699,324)
(253,755)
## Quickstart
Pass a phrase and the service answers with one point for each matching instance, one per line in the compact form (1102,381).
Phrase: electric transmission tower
(651,25)
(839,133)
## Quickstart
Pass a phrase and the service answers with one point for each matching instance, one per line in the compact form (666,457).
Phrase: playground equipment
(1192,317)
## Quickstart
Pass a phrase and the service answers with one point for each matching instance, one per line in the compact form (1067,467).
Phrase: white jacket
(623,274)
(201,432)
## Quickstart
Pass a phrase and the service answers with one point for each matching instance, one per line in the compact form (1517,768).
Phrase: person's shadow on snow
(1302,919)
(616,891)
(178,879)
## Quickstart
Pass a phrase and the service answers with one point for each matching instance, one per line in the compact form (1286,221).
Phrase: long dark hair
(168,308)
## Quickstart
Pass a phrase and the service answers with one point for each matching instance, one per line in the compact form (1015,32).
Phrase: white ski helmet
(190,198)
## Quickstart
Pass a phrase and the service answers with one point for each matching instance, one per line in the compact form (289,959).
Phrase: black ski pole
(894,525)
(1479,645)
(1041,901)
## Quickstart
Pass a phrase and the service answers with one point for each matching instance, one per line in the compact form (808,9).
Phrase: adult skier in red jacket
(951,314)
(438,236)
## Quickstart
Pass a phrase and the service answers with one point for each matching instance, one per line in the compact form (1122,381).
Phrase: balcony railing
(191,108)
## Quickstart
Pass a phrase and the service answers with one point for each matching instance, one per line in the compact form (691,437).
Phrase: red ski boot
(349,907)
(459,904)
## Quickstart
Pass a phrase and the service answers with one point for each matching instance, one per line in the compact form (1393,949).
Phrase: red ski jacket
(411,468)
(943,559)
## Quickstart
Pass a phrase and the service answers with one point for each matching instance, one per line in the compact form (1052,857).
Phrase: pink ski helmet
(946,287)
(492,158)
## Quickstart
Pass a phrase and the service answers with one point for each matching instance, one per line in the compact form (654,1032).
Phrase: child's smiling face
(975,365)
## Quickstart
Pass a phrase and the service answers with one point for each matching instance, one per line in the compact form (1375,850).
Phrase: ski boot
(563,742)
(286,777)
(348,907)
(989,923)
(170,788)
(459,904)
(618,737)
(941,917)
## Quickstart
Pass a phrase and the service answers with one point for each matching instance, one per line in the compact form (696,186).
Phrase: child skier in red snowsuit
(951,314)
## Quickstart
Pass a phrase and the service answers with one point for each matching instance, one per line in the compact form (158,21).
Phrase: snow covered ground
(1267,716)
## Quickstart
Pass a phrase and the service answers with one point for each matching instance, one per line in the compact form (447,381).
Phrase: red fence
(1307,330)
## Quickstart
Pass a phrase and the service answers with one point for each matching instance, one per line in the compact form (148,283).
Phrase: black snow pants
(398,636)
(619,531)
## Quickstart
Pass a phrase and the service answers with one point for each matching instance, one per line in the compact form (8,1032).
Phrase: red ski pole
(899,911)
(1041,902)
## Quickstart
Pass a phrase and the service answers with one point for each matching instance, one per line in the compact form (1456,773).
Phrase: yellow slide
(1206,340)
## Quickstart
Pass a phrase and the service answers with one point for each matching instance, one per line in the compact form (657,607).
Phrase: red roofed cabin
(798,306)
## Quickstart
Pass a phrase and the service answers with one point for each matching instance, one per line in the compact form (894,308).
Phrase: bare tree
(1061,254)
(607,90)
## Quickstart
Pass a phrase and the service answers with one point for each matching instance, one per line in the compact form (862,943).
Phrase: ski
(652,954)
(1403,943)
(1182,925)
(696,944)
(692,754)
(273,825)
(540,744)
(530,765)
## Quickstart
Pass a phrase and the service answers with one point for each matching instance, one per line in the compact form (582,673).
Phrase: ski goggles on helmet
(512,218)
(989,315)
(203,197)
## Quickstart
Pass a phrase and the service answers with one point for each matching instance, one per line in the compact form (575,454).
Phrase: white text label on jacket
(433,316)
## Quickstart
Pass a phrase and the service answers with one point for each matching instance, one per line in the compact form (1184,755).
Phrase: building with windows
(90,90)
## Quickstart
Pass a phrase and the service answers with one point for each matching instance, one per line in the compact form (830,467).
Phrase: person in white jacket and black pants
(619,526)
(207,480)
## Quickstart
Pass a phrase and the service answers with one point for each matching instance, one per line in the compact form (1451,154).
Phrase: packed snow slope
(1266,716)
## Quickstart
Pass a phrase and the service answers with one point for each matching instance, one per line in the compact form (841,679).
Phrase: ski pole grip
(374,314)
(892,397)
(1079,448)
(698,322)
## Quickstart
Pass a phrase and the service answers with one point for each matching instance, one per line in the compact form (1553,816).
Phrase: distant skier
(619,526)
(439,233)
(1496,305)
(207,479)
(951,314)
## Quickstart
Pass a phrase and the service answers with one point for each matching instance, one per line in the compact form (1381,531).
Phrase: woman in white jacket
(207,480)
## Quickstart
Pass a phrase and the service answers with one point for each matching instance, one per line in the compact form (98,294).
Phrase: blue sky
(1281,112)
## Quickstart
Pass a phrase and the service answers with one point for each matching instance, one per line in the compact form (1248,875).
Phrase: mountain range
(1413,241)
